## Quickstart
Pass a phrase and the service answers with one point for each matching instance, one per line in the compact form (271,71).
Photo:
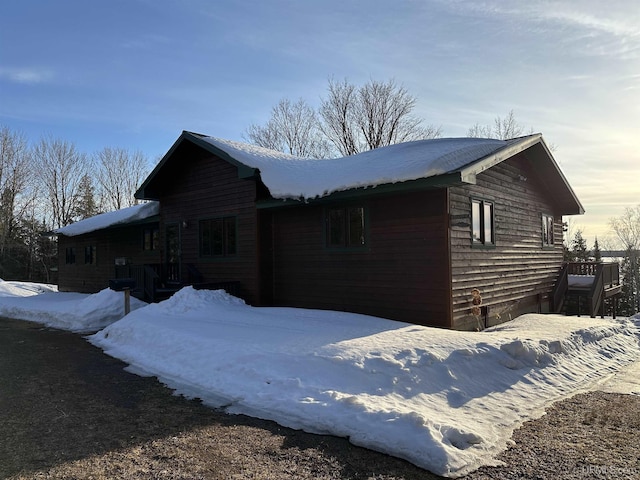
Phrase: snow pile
(24,289)
(76,312)
(447,401)
(287,176)
(110,219)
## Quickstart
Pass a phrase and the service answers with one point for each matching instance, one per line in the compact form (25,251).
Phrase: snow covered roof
(287,176)
(128,215)
(290,177)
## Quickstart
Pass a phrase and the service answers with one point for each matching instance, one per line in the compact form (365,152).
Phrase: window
(218,237)
(482,222)
(547,230)
(150,239)
(90,255)
(70,255)
(346,227)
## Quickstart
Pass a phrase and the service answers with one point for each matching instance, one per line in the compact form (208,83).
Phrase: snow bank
(24,289)
(447,401)
(76,312)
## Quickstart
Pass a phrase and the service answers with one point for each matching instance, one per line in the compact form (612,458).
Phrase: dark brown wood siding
(519,273)
(124,242)
(199,186)
(401,273)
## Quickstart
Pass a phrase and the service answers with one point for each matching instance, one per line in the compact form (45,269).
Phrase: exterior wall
(205,187)
(110,244)
(401,273)
(516,276)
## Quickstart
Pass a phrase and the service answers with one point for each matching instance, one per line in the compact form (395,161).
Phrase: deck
(589,286)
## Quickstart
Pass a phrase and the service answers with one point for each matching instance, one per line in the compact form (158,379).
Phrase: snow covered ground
(76,312)
(447,401)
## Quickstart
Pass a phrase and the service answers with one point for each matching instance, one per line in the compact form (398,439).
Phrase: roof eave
(515,147)
(436,181)
(244,171)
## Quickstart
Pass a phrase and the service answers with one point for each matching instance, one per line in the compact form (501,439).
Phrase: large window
(482,222)
(547,230)
(346,227)
(150,239)
(218,237)
(70,255)
(89,255)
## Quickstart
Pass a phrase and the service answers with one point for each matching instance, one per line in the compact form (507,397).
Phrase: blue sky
(135,73)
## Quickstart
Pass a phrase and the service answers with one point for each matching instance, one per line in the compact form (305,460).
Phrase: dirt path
(69,411)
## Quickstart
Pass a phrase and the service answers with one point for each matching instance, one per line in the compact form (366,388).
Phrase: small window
(150,239)
(70,255)
(346,227)
(547,230)
(218,237)
(90,255)
(482,222)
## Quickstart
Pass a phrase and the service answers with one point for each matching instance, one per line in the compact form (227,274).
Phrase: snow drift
(447,401)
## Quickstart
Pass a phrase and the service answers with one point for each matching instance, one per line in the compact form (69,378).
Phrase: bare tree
(627,229)
(383,116)
(372,116)
(502,128)
(119,174)
(15,175)
(60,168)
(338,122)
(292,128)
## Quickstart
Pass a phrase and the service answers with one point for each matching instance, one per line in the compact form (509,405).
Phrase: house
(458,233)
(92,250)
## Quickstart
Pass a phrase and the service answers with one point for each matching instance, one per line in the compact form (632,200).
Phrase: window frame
(548,233)
(70,256)
(348,237)
(151,239)
(223,247)
(89,255)
(480,218)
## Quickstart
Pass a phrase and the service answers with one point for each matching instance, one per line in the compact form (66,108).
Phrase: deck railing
(146,277)
(605,283)
(152,287)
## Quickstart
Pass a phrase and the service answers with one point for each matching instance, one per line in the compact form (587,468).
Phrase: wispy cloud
(27,76)
(146,42)
(592,26)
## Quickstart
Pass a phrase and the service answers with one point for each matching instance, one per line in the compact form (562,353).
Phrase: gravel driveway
(69,411)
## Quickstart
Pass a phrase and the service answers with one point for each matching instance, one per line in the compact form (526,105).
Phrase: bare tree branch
(118,176)
(375,115)
(60,168)
(502,129)
(293,128)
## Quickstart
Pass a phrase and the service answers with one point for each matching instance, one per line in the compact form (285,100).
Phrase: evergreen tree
(579,248)
(567,254)
(85,205)
(629,268)
(597,253)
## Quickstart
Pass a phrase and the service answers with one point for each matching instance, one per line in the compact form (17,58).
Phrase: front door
(172,249)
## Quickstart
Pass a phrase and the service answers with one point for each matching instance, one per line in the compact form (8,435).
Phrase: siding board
(518,272)
(401,274)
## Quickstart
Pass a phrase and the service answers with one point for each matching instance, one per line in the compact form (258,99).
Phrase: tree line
(352,119)
(49,184)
